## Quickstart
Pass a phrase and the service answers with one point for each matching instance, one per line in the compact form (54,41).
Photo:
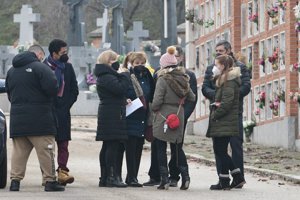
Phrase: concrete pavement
(84,165)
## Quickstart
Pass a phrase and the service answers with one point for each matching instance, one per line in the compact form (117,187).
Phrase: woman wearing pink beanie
(172,88)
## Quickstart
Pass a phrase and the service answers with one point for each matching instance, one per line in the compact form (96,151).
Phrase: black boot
(54,186)
(151,182)
(224,183)
(185,178)
(114,181)
(238,179)
(102,179)
(14,185)
(164,183)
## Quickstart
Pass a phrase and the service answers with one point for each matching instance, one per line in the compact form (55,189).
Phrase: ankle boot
(114,181)
(224,183)
(102,179)
(64,177)
(238,179)
(164,183)
(185,177)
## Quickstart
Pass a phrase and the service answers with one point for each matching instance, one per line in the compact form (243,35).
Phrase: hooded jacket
(111,89)
(172,85)
(223,120)
(31,87)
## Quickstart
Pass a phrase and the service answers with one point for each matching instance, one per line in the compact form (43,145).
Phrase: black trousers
(173,166)
(109,157)
(236,144)
(220,145)
(154,167)
(134,148)
(162,154)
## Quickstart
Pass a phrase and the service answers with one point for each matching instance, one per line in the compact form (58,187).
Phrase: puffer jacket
(223,120)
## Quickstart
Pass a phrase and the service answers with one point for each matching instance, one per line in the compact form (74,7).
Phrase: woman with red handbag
(172,88)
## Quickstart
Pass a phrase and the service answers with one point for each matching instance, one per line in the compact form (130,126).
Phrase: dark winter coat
(209,88)
(137,121)
(224,119)
(166,101)
(63,104)
(31,87)
(189,106)
(111,88)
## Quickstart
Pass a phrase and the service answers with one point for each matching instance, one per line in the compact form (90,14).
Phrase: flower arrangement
(261,100)
(90,80)
(200,21)
(274,105)
(282,4)
(273,11)
(253,18)
(281,95)
(297,15)
(248,127)
(208,23)
(274,59)
(295,97)
(296,67)
(297,26)
(190,15)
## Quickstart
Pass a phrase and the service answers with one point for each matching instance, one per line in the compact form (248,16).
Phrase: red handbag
(172,120)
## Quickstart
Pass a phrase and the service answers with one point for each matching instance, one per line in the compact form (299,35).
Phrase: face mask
(139,68)
(216,71)
(115,65)
(64,58)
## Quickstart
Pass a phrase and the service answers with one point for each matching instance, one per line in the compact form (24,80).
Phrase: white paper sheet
(135,104)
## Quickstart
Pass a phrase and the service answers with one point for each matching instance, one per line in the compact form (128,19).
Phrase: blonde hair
(106,56)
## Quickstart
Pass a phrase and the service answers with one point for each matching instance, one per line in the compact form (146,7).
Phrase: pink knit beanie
(168,58)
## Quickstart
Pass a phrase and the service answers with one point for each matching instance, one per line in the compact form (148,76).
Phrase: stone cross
(76,17)
(136,34)
(26,19)
(103,22)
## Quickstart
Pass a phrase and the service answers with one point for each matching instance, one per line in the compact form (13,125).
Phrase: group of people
(42,91)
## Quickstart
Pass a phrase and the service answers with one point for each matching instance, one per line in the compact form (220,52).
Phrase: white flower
(297,11)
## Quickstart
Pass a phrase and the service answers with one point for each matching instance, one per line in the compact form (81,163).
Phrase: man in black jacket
(208,90)
(31,87)
(66,97)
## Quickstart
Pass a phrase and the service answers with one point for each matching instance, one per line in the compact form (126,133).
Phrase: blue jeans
(236,144)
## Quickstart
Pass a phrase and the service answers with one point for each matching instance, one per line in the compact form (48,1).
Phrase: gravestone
(103,22)
(76,18)
(117,41)
(136,34)
(26,19)
(5,59)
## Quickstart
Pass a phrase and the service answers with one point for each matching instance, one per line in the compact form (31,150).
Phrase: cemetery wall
(256,38)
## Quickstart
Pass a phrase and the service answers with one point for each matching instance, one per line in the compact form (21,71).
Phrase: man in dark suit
(66,97)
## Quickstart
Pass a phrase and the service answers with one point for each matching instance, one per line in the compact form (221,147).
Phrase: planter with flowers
(262,62)
(296,67)
(297,15)
(190,15)
(208,23)
(281,95)
(253,18)
(282,4)
(295,97)
(274,59)
(248,128)
(91,82)
(273,13)
(261,100)
(274,105)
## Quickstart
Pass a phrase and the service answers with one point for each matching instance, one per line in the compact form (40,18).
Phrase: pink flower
(257,111)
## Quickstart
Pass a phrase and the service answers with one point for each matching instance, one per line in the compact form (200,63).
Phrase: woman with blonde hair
(224,118)
(111,88)
(142,87)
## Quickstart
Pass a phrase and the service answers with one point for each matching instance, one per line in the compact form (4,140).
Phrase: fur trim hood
(234,73)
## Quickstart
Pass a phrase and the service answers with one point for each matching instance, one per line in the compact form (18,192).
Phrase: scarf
(58,68)
(177,80)
(138,90)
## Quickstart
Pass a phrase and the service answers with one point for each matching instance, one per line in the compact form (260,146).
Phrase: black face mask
(64,58)
(115,65)
(139,68)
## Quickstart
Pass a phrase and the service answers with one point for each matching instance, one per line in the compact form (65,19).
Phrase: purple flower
(90,80)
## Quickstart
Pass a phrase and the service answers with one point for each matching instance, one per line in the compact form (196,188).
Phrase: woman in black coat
(111,129)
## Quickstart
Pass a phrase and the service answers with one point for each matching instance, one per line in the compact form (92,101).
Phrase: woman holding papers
(172,88)
(111,87)
(141,90)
